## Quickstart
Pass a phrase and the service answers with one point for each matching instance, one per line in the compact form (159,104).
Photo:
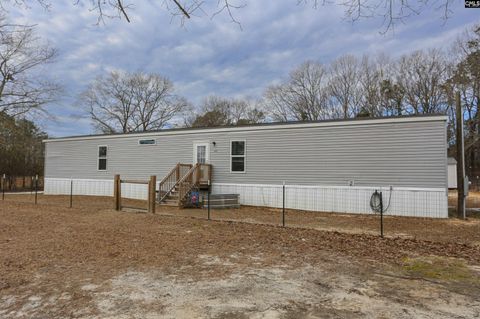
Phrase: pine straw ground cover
(51,248)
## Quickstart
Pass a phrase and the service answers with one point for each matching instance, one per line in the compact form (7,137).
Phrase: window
(237,156)
(201,154)
(147,142)
(102,158)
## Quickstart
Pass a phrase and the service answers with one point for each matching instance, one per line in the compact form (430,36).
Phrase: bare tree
(391,12)
(304,96)
(276,102)
(422,74)
(466,80)
(372,73)
(21,148)
(254,115)
(393,98)
(179,9)
(22,54)
(220,111)
(344,85)
(373,86)
(154,101)
(129,102)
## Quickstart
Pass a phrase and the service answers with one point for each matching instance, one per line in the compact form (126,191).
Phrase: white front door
(201,153)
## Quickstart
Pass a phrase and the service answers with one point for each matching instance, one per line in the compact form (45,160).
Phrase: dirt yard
(440,230)
(473,199)
(93,262)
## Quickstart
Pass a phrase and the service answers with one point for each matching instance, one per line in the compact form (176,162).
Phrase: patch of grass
(441,268)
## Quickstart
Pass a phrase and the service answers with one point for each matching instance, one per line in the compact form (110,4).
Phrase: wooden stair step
(224,196)
(169,204)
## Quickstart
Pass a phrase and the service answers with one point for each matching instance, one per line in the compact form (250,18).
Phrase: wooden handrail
(173,178)
(184,182)
(170,178)
(191,180)
(169,173)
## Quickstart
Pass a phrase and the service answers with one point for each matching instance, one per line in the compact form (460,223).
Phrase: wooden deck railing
(182,179)
(197,175)
(168,183)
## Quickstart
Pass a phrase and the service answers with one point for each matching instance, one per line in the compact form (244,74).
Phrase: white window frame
(207,151)
(105,158)
(147,139)
(244,156)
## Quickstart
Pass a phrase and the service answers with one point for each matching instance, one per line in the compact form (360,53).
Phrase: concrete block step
(222,206)
(218,201)
(221,201)
(224,196)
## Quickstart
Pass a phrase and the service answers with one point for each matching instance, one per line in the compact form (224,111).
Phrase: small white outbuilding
(452,172)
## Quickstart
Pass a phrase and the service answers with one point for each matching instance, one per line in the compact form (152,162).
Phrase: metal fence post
(283,206)
(381,214)
(36,188)
(71,192)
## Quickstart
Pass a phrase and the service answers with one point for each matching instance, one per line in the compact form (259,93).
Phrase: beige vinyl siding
(399,153)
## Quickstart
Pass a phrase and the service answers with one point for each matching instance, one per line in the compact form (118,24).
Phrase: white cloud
(215,56)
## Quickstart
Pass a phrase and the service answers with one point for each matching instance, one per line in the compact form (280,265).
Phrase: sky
(214,56)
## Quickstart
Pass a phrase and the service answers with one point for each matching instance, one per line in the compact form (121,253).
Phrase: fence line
(416,202)
(20,183)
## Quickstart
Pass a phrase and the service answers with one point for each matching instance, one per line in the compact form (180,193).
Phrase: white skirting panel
(401,201)
(92,187)
(415,202)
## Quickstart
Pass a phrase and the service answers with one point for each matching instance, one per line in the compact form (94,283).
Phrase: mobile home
(332,165)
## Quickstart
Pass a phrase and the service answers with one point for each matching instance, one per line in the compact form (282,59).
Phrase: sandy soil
(92,262)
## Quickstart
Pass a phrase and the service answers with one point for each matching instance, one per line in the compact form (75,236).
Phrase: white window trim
(144,139)
(98,159)
(207,151)
(244,156)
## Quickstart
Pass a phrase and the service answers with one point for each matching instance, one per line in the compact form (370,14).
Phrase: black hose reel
(376,204)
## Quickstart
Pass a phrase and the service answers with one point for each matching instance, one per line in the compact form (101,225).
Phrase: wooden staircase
(176,187)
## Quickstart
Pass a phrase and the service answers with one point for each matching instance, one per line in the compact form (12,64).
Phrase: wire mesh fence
(324,208)
(9,183)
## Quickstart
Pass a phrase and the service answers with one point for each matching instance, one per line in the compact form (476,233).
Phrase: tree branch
(182,9)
